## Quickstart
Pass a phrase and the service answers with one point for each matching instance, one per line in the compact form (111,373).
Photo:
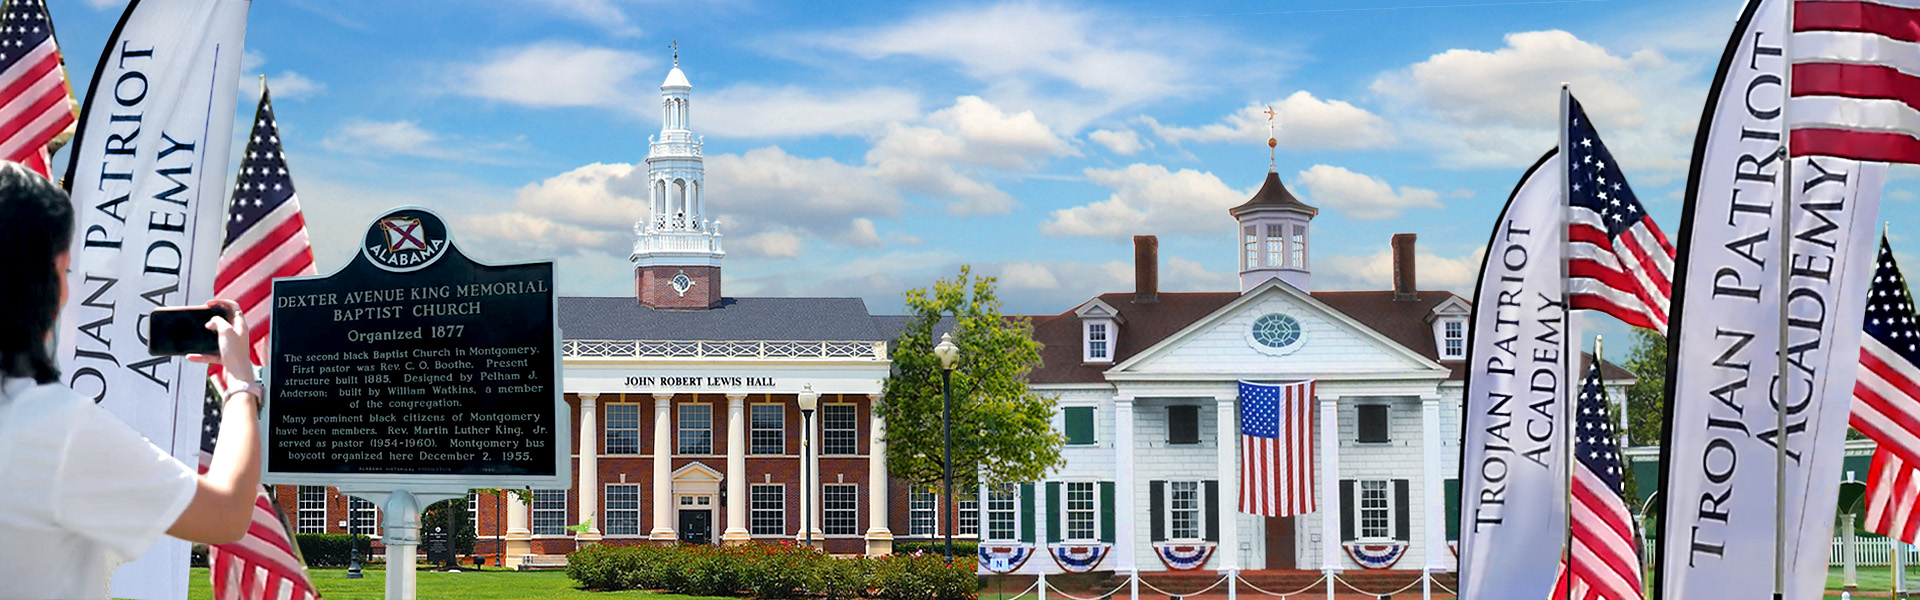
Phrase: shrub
(962,550)
(331,549)
(774,572)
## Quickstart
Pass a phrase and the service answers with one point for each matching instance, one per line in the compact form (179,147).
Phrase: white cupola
(1273,236)
(677,254)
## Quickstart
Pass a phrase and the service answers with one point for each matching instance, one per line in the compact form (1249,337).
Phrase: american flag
(1854,92)
(1606,564)
(266,238)
(1886,400)
(36,105)
(1620,263)
(1276,448)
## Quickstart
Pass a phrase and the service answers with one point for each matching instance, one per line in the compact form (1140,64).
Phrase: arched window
(677,207)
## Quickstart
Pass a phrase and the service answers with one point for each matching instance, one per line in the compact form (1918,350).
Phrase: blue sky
(864,148)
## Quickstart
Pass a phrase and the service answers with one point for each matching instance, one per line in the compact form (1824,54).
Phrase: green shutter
(1053,511)
(1346,510)
(1210,503)
(1079,425)
(1453,510)
(1403,511)
(1026,512)
(1156,504)
(1106,511)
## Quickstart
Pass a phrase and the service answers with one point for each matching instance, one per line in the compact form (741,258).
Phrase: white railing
(1877,551)
(675,149)
(671,241)
(876,351)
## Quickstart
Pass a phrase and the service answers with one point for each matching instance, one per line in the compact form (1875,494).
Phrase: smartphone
(180,330)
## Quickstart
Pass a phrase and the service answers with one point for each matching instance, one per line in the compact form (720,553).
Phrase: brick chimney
(1406,287)
(1146,268)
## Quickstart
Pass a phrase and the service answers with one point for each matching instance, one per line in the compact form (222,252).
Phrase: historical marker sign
(414,365)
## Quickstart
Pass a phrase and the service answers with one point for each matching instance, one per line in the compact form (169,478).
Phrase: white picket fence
(1872,552)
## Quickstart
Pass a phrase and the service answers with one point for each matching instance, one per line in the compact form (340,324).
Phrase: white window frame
(1453,329)
(754,429)
(773,511)
(1384,508)
(1098,340)
(968,525)
(1091,510)
(369,526)
(473,510)
(850,434)
(1250,244)
(611,508)
(1003,503)
(682,429)
(311,503)
(544,509)
(923,514)
(1297,247)
(1173,510)
(840,516)
(615,422)
(1275,246)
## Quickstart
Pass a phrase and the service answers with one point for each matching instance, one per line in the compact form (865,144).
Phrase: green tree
(1002,430)
(1647,397)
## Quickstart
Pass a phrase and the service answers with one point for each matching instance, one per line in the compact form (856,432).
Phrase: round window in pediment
(1276,332)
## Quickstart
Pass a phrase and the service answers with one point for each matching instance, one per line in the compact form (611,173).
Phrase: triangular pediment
(1276,331)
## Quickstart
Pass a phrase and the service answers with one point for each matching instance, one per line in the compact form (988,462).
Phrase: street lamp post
(949,356)
(808,401)
(353,544)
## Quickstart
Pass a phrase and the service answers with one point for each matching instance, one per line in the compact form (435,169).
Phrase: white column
(879,536)
(519,537)
(1329,483)
(1123,543)
(662,469)
(1227,440)
(1850,553)
(589,468)
(737,499)
(819,479)
(1433,481)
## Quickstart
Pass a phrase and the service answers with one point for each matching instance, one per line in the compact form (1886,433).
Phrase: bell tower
(676,259)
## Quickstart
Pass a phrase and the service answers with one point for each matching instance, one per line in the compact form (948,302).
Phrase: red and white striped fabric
(36,105)
(1893,486)
(1276,449)
(1856,79)
(266,238)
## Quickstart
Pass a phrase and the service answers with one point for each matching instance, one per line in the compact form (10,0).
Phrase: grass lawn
(1875,580)
(433,585)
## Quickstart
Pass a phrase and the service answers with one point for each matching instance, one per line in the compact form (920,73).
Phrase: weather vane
(676,53)
(1272,142)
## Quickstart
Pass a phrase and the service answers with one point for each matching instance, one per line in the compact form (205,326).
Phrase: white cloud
(288,85)
(600,13)
(1124,142)
(383,137)
(772,244)
(1303,121)
(761,112)
(1360,196)
(1500,108)
(104,4)
(1149,199)
(767,187)
(947,157)
(1375,271)
(861,233)
(559,74)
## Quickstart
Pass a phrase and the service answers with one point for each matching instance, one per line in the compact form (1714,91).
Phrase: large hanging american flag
(36,105)
(1854,88)
(1606,564)
(1619,262)
(1276,448)
(1886,400)
(266,238)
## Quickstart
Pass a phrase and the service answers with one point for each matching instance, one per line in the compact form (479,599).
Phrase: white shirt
(80,492)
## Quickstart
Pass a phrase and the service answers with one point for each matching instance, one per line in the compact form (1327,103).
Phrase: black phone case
(181,332)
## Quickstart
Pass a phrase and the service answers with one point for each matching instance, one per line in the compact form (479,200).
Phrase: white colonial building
(1148,388)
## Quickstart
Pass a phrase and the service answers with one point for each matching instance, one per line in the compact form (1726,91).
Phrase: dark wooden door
(696,526)
(1280,543)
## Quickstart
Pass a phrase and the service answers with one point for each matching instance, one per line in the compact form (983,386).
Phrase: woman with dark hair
(80,491)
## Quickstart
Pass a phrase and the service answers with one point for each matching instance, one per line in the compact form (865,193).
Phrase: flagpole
(1785,242)
(1566,407)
